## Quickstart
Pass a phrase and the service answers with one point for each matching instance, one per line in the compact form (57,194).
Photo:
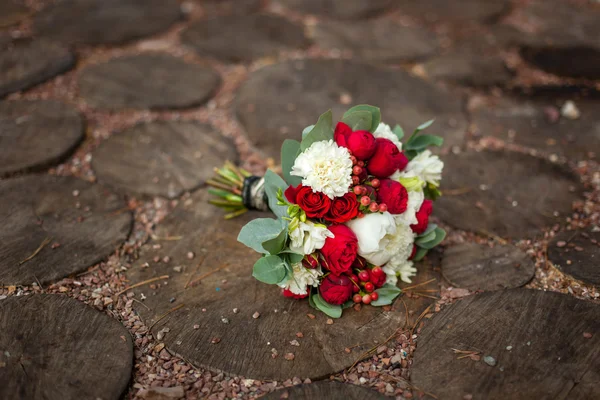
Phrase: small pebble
(561,243)
(236,310)
(190,255)
(215,340)
(196,326)
(256,315)
(289,356)
(489,360)
(177,268)
(166,259)
(225,320)
(311,316)
(172,300)
(587,335)
(509,348)
(329,321)
(299,335)
(569,110)
(295,343)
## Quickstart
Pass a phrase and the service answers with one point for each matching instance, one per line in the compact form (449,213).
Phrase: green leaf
(289,151)
(275,245)
(270,269)
(332,310)
(440,234)
(311,300)
(306,130)
(424,125)
(375,116)
(420,254)
(387,293)
(259,231)
(398,131)
(273,183)
(430,228)
(420,143)
(428,235)
(294,258)
(321,131)
(358,120)
(348,304)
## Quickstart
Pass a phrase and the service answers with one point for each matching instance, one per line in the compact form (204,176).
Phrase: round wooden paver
(478,267)
(53,347)
(577,254)
(527,123)
(12,12)
(459,12)
(54,226)
(324,390)
(342,9)
(25,63)
(105,22)
(244,38)
(161,158)
(536,345)
(469,69)
(277,102)
(377,40)
(237,7)
(35,134)
(560,33)
(505,193)
(152,80)
(215,290)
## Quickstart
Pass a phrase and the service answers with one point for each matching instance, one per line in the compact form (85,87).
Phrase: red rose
(413,252)
(291,295)
(343,209)
(336,289)
(340,251)
(394,195)
(310,261)
(423,217)
(387,159)
(315,205)
(361,144)
(377,280)
(341,133)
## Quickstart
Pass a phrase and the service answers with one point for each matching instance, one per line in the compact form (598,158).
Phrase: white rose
(426,166)
(384,131)
(402,269)
(301,278)
(308,237)
(415,200)
(378,236)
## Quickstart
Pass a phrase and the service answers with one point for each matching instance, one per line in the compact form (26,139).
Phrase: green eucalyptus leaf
(306,130)
(440,234)
(294,258)
(332,310)
(358,120)
(348,304)
(375,116)
(387,293)
(275,245)
(289,151)
(259,231)
(421,252)
(421,142)
(270,269)
(398,131)
(273,183)
(321,131)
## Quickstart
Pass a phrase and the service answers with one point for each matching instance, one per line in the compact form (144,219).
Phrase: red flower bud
(423,217)
(336,289)
(386,160)
(341,133)
(361,144)
(394,195)
(310,261)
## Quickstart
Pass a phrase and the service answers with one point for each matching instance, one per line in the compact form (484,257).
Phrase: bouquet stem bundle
(227,185)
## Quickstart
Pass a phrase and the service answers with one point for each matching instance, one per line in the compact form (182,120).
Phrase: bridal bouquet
(352,210)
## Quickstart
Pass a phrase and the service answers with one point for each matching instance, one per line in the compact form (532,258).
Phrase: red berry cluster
(365,282)
(365,190)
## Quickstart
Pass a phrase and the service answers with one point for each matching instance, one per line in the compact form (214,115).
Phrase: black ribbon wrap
(254,196)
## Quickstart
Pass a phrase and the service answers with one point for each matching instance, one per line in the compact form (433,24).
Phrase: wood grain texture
(381,40)
(36,134)
(147,81)
(279,100)
(11,12)
(224,270)
(549,357)
(342,9)
(244,38)
(105,22)
(161,158)
(26,63)
(580,255)
(324,390)
(67,233)
(478,267)
(53,347)
(526,123)
(505,193)
(457,12)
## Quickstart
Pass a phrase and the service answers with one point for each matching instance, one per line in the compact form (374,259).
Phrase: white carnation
(384,131)
(380,238)
(397,268)
(415,200)
(325,167)
(308,237)
(301,278)
(426,166)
